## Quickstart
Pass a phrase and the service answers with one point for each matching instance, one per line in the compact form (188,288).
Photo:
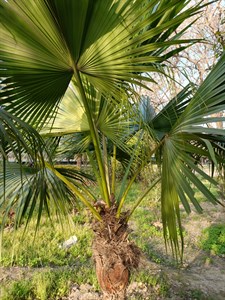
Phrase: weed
(43,284)
(18,290)
(198,295)
(49,284)
(208,261)
(157,282)
(19,250)
(213,239)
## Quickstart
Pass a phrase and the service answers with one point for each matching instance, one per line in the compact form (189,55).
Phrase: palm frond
(31,190)
(18,139)
(109,42)
(34,61)
(36,190)
(184,141)
(168,116)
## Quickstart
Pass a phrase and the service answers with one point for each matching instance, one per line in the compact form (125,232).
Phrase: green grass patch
(18,290)
(49,284)
(213,239)
(44,249)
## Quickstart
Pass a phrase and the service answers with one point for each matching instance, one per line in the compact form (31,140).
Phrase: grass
(213,239)
(55,269)
(158,282)
(44,248)
(48,284)
(19,290)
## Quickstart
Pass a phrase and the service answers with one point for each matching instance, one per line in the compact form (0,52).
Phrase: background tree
(194,63)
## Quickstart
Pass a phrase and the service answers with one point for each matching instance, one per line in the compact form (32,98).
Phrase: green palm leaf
(187,139)
(41,52)
(18,138)
(29,190)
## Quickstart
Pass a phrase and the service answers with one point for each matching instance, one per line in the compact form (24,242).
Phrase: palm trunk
(114,255)
(113,277)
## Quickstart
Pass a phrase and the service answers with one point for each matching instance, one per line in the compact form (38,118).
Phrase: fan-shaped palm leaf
(186,138)
(30,189)
(41,52)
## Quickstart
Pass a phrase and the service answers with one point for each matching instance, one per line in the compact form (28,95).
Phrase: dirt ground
(202,272)
(201,277)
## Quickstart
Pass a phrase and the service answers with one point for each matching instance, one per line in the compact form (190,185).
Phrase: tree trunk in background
(114,255)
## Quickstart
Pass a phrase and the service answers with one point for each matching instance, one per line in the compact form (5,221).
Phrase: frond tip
(171,219)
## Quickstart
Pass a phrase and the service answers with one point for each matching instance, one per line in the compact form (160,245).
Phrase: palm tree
(69,71)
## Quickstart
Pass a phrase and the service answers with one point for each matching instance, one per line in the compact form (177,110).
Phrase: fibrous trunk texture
(114,254)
